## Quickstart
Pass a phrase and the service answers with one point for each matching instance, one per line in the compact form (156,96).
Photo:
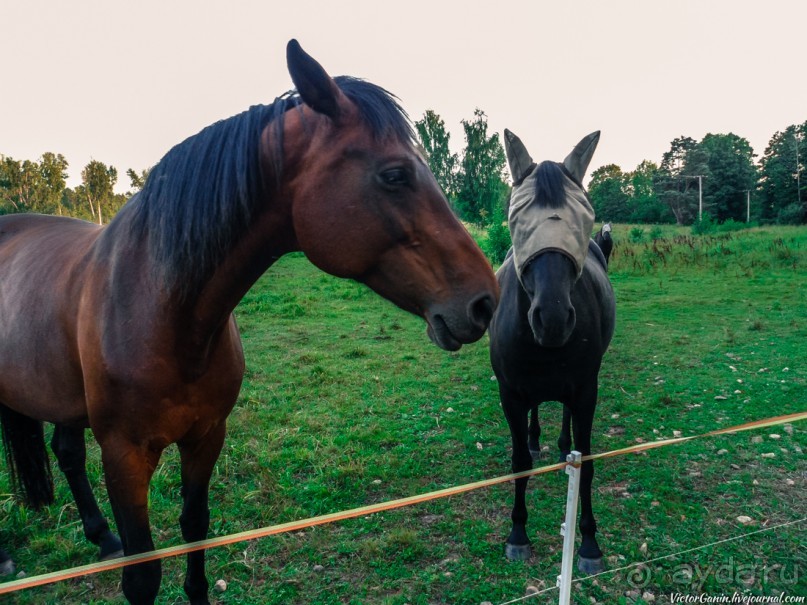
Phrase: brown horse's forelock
(201,196)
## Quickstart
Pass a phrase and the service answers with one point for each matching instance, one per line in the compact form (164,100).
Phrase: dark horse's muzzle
(552,321)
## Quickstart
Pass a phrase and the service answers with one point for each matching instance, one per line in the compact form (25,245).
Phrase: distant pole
(700,194)
(797,136)
(700,198)
(747,205)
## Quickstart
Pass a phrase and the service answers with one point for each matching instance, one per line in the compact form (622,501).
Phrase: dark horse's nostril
(480,310)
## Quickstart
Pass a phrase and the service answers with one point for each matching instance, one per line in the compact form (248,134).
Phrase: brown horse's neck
(197,314)
(207,312)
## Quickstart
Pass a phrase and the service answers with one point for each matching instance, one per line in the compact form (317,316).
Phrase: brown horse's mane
(201,196)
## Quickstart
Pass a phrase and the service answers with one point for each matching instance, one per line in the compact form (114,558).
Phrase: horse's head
(550,222)
(366,206)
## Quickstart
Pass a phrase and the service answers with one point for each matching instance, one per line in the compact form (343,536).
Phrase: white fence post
(568,528)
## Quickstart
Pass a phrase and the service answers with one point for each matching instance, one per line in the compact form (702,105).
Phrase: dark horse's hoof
(6,567)
(590,566)
(517,552)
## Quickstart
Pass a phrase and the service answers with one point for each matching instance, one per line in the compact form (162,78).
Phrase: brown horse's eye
(394,177)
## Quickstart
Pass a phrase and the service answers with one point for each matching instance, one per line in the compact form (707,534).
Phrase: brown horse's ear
(317,89)
(518,159)
(578,160)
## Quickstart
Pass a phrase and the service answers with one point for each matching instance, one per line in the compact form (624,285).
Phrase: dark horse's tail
(27,458)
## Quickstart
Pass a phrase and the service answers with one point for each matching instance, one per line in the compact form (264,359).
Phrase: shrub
(636,235)
(731,225)
(792,214)
(497,243)
(706,225)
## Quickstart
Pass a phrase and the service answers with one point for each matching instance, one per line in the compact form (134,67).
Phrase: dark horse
(554,321)
(605,243)
(604,240)
(128,329)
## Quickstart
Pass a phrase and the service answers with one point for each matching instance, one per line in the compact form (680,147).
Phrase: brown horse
(128,329)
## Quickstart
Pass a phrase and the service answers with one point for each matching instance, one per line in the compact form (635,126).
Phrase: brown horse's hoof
(113,555)
(517,552)
(111,547)
(590,566)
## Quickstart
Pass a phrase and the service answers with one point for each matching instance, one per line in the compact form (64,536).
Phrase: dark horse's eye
(394,177)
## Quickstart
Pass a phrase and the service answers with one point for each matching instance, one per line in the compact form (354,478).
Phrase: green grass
(346,403)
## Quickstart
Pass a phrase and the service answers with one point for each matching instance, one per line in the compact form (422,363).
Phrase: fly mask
(562,225)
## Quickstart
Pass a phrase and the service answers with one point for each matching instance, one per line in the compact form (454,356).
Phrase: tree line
(716,175)
(41,186)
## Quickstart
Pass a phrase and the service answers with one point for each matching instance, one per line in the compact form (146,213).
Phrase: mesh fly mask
(536,227)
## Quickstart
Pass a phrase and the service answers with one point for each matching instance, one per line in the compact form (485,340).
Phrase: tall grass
(744,253)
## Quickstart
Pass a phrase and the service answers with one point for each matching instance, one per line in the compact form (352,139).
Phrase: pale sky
(122,82)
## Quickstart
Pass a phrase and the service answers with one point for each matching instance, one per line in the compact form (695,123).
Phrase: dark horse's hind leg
(534,434)
(589,555)
(565,438)
(68,446)
(198,459)
(518,546)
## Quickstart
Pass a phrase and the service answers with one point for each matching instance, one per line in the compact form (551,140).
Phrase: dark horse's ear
(518,158)
(578,160)
(317,89)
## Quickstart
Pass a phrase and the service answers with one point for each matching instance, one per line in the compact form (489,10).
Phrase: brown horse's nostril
(480,310)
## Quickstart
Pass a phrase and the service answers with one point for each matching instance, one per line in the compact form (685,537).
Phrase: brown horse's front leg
(198,459)
(128,469)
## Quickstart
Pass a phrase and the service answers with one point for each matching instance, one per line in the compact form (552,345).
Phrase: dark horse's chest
(551,374)
(545,374)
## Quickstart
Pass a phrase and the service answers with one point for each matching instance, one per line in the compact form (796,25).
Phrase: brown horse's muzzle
(451,326)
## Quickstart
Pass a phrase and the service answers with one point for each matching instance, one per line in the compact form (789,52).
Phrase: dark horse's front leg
(71,453)
(516,411)
(198,459)
(589,555)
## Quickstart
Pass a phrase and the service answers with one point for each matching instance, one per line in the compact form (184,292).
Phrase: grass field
(346,403)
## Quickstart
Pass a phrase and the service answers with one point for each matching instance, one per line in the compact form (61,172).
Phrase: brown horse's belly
(40,374)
